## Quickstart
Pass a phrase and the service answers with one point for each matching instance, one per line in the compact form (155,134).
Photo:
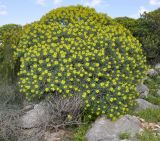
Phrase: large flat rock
(35,117)
(106,130)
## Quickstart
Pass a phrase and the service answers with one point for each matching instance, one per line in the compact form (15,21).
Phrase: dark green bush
(80,132)
(9,38)
(150,38)
(128,23)
(74,50)
(147,30)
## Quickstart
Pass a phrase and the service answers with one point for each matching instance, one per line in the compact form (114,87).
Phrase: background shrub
(76,51)
(129,23)
(9,94)
(151,33)
(9,38)
(147,30)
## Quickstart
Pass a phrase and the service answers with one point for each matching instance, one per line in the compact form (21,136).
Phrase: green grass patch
(125,135)
(80,133)
(153,83)
(148,136)
(153,99)
(150,115)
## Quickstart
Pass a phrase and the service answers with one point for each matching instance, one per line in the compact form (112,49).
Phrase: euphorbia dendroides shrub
(76,51)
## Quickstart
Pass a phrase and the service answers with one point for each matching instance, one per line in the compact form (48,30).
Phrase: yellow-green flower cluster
(76,51)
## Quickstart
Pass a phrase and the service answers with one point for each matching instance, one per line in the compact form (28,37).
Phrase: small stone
(55,136)
(143,90)
(157,130)
(157,66)
(158,92)
(28,108)
(152,72)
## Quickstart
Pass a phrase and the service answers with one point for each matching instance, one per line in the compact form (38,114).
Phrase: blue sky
(26,11)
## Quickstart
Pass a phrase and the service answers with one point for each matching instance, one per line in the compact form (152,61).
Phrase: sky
(27,11)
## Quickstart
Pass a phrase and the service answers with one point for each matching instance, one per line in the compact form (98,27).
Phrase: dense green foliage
(80,133)
(129,23)
(151,38)
(9,38)
(147,30)
(74,50)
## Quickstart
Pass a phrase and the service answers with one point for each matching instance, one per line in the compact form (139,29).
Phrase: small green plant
(80,132)
(153,99)
(153,83)
(150,115)
(124,135)
(148,136)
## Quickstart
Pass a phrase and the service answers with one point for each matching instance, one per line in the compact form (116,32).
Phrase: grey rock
(157,130)
(158,92)
(26,103)
(143,90)
(36,116)
(129,124)
(28,108)
(105,130)
(157,66)
(152,72)
(143,104)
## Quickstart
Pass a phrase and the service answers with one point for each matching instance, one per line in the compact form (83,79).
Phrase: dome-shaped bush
(74,50)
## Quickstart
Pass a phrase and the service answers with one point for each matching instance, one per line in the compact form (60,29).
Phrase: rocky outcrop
(106,130)
(143,104)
